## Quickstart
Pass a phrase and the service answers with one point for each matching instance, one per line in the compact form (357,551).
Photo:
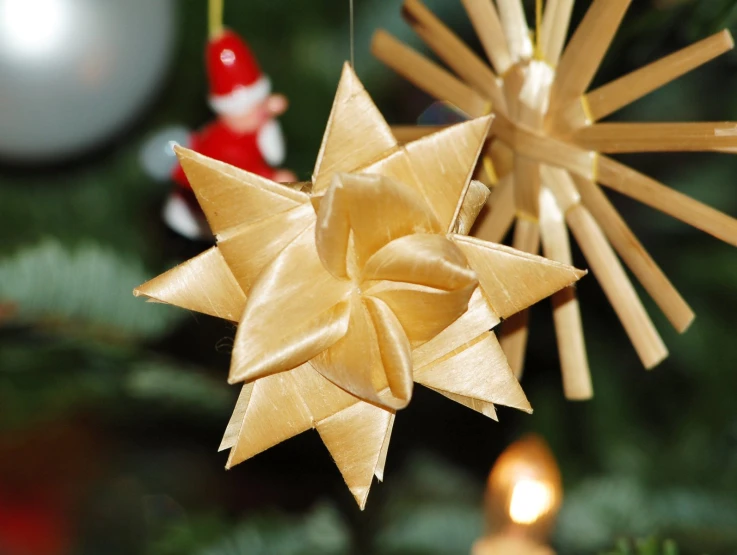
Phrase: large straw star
(348,295)
(547,151)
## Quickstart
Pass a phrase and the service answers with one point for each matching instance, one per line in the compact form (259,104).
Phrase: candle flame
(530,500)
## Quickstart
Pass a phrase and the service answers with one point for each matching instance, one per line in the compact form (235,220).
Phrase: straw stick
(566,311)
(559,182)
(533,99)
(658,137)
(426,75)
(527,186)
(555,29)
(655,282)
(497,216)
(514,23)
(617,287)
(569,118)
(585,52)
(514,80)
(526,170)
(515,329)
(648,191)
(485,21)
(606,268)
(545,149)
(502,157)
(619,93)
(453,52)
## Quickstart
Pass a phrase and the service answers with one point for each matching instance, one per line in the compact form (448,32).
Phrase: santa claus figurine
(245,133)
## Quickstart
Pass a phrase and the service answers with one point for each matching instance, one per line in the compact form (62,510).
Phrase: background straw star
(549,153)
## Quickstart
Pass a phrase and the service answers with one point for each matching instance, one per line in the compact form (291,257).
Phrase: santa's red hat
(236,81)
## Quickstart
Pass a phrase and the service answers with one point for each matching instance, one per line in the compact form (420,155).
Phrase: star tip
(349,73)
(237,373)
(144,291)
(361,496)
(488,119)
(231,462)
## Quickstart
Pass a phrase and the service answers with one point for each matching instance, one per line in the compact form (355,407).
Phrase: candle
(523,496)
(509,545)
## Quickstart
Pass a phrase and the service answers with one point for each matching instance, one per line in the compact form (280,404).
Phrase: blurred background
(111,410)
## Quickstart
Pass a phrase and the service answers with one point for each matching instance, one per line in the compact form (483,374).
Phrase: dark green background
(114,408)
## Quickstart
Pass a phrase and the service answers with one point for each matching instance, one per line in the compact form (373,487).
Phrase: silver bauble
(73,72)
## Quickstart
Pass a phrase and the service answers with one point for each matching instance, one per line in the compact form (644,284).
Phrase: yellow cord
(595,166)
(586,107)
(538,29)
(490,171)
(216,18)
(521,215)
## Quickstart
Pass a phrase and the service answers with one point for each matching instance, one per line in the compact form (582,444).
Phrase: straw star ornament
(546,154)
(348,294)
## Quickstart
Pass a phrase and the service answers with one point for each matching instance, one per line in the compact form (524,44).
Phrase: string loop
(353,35)
(216,18)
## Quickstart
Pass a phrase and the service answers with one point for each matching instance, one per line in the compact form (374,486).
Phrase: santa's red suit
(238,90)
(256,152)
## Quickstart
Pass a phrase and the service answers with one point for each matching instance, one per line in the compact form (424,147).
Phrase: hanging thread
(216,18)
(538,29)
(353,35)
